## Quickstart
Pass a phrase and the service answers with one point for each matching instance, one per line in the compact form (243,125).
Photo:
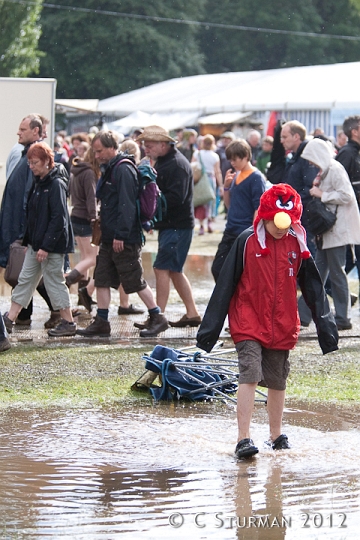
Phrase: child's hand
(229,177)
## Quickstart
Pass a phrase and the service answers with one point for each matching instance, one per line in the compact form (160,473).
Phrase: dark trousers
(3,332)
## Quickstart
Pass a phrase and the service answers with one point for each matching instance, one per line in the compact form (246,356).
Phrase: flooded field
(169,472)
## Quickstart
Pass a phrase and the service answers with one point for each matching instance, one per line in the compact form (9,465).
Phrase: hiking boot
(131,310)
(344,326)
(281,443)
(157,323)
(22,322)
(84,299)
(63,329)
(142,325)
(5,345)
(73,277)
(8,323)
(245,449)
(98,327)
(53,321)
(186,321)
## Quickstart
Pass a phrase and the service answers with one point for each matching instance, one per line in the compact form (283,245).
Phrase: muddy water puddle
(168,472)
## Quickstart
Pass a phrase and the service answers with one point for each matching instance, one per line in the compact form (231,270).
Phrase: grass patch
(103,374)
(334,377)
(48,376)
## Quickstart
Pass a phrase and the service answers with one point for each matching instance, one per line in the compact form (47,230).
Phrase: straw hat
(156,134)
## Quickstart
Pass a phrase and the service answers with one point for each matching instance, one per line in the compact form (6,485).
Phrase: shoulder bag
(203,190)
(15,263)
(319,218)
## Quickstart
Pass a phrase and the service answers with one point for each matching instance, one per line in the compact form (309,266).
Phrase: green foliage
(246,50)
(19,36)
(100,55)
(96,55)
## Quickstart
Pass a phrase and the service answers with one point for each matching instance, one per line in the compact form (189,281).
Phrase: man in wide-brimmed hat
(175,230)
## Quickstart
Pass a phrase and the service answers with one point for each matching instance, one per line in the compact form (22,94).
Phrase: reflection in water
(168,472)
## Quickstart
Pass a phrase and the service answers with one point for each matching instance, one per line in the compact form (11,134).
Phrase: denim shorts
(81,229)
(266,367)
(174,245)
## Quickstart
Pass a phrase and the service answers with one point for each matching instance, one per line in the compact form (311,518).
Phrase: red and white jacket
(264,305)
(259,293)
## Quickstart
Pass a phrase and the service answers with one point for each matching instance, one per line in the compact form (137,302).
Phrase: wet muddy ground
(153,471)
(168,471)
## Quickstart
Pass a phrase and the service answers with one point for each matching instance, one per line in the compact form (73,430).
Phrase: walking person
(119,259)
(349,157)
(32,129)
(175,230)
(210,162)
(257,289)
(48,237)
(82,189)
(333,187)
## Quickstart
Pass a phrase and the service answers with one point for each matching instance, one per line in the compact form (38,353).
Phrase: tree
(20,32)
(238,50)
(97,55)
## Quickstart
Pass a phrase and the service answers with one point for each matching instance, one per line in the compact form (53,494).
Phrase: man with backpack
(119,259)
(175,180)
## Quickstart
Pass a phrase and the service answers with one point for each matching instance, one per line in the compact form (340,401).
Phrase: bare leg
(103,297)
(275,407)
(147,297)
(245,407)
(87,253)
(16,308)
(14,311)
(183,287)
(124,298)
(90,287)
(66,314)
(162,288)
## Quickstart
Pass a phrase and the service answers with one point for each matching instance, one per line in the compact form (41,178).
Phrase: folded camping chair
(187,376)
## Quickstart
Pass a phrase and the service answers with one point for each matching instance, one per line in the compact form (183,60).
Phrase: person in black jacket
(175,180)
(12,214)
(119,259)
(349,157)
(48,236)
(298,173)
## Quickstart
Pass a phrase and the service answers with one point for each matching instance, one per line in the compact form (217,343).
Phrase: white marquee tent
(316,95)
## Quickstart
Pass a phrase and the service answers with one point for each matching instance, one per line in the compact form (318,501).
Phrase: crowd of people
(266,253)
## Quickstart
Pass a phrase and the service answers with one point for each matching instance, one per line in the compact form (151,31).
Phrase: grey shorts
(124,267)
(266,367)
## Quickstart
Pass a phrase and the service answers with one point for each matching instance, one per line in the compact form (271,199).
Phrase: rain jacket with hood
(269,307)
(338,195)
(82,188)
